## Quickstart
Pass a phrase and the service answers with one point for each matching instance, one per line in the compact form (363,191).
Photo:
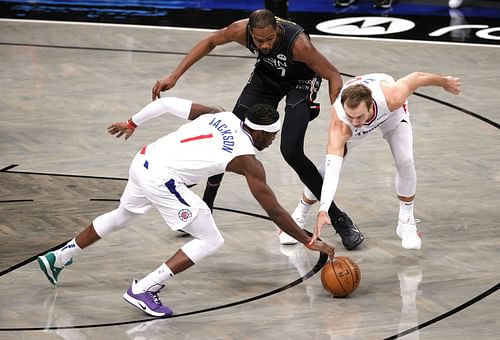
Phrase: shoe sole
(134,302)
(45,267)
(356,244)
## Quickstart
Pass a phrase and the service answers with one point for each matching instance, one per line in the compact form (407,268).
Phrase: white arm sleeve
(176,106)
(333,165)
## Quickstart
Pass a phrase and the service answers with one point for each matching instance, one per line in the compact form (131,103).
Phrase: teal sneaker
(47,265)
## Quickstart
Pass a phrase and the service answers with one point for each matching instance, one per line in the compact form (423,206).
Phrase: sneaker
(407,232)
(147,301)
(382,3)
(287,239)
(455,3)
(348,231)
(344,3)
(47,265)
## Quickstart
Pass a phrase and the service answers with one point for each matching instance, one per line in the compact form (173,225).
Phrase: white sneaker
(287,239)
(455,3)
(407,232)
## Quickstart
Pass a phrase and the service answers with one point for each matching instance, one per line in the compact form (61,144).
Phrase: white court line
(82,23)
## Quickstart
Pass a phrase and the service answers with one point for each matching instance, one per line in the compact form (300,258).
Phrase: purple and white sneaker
(147,301)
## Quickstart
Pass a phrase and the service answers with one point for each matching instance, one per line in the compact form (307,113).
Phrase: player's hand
(321,220)
(163,84)
(323,247)
(121,128)
(452,85)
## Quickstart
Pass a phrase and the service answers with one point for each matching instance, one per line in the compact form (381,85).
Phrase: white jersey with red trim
(382,118)
(198,149)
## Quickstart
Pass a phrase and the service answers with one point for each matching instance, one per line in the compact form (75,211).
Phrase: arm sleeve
(333,165)
(176,106)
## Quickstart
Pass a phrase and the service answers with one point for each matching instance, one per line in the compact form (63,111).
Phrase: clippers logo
(184,215)
(365,26)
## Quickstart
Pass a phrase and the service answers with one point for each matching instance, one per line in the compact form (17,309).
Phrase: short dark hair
(354,95)
(262,18)
(262,114)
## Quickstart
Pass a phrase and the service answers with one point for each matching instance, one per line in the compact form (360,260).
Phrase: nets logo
(365,26)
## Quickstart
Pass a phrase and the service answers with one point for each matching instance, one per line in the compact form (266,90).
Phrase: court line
(448,313)
(317,267)
(56,22)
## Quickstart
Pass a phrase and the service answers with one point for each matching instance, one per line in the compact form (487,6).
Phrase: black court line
(473,114)
(447,314)
(106,49)
(317,267)
(59,175)
(31,259)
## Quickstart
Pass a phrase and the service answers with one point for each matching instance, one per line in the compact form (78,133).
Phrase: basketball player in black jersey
(288,65)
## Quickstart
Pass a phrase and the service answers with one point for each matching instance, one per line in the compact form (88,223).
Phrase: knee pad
(207,237)
(198,249)
(113,220)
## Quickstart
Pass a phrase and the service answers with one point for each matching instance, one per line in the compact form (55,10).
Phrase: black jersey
(278,63)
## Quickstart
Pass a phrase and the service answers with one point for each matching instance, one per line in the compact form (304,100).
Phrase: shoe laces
(155,297)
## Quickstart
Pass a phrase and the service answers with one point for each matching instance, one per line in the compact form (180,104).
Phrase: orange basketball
(341,276)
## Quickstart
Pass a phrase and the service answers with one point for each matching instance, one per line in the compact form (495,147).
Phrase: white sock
(154,281)
(302,209)
(406,211)
(65,253)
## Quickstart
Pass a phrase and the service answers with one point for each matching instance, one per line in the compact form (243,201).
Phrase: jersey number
(196,138)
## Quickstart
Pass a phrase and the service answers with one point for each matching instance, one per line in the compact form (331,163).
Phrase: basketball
(341,276)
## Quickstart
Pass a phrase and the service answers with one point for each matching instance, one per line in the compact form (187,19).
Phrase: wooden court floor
(61,84)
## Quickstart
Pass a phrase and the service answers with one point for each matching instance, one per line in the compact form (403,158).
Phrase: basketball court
(64,82)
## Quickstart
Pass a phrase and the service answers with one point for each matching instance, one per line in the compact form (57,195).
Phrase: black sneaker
(344,3)
(348,231)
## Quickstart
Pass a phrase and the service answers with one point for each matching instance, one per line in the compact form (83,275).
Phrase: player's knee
(216,242)
(112,221)
(292,156)
(199,248)
(406,168)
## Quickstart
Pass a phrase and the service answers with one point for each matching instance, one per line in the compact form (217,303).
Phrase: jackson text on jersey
(226,132)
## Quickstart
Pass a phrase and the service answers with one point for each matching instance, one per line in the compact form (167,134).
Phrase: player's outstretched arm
(397,93)
(234,32)
(179,107)
(254,173)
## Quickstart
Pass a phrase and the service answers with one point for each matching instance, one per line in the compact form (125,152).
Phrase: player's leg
(182,210)
(400,140)
(297,115)
(133,203)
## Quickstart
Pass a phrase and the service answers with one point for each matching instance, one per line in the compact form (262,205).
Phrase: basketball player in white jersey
(366,103)
(159,177)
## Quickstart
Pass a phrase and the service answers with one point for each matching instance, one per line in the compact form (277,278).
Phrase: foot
(287,239)
(348,231)
(407,232)
(47,265)
(147,301)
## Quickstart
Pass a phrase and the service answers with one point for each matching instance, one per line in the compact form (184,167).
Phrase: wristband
(309,244)
(131,124)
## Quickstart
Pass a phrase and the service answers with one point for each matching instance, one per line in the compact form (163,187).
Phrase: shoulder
(394,94)
(246,165)
(237,31)
(302,48)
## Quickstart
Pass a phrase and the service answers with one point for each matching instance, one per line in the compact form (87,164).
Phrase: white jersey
(382,118)
(198,149)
